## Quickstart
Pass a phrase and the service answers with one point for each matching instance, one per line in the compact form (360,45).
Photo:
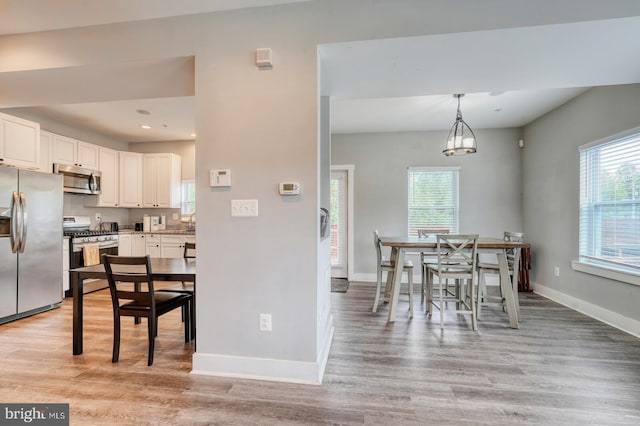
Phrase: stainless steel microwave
(79,180)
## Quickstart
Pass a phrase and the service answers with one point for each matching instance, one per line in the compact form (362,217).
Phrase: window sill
(602,271)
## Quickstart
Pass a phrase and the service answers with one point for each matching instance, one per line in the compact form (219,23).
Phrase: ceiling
(510,77)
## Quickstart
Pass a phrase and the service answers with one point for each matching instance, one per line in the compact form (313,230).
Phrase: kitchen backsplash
(74,206)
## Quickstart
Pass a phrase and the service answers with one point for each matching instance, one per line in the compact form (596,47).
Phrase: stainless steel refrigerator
(30,242)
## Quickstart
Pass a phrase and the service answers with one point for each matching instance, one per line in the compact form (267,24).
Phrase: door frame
(349,168)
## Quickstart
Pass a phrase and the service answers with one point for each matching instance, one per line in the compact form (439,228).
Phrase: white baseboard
(614,319)
(275,370)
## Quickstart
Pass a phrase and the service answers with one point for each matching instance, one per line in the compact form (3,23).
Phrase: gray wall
(551,188)
(490,183)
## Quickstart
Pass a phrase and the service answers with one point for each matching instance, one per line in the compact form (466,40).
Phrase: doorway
(341,221)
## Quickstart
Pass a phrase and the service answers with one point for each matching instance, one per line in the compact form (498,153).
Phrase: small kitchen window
(188,198)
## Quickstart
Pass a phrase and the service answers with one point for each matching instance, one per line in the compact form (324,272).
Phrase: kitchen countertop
(164,231)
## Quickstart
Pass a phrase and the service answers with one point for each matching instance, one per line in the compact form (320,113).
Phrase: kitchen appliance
(109,226)
(138,226)
(30,242)
(78,228)
(155,223)
(79,180)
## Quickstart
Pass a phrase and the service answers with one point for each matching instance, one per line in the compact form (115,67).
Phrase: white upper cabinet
(130,179)
(19,142)
(73,152)
(46,141)
(161,180)
(108,164)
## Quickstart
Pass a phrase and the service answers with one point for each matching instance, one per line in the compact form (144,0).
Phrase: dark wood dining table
(162,269)
(508,285)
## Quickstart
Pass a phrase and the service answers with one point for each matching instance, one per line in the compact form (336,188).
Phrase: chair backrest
(122,271)
(513,255)
(376,243)
(430,232)
(459,250)
(189,250)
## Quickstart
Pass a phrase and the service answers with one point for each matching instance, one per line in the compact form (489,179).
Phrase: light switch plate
(244,208)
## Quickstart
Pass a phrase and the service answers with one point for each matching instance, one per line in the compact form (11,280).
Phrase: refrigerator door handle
(14,233)
(23,210)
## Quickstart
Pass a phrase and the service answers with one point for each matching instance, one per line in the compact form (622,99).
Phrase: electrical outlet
(265,322)
(175,216)
(98,217)
(556,271)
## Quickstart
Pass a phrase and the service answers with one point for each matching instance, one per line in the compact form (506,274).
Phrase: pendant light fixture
(461,139)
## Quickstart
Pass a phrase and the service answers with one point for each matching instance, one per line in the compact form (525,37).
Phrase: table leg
(76,286)
(389,284)
(397,282)
(507,290)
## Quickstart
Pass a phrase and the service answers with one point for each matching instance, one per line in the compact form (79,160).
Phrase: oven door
(77,261)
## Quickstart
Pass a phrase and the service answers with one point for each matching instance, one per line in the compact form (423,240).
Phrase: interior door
(339,223)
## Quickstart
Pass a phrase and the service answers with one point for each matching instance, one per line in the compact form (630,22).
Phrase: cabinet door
(124,245)
(87,155)
(108,166)
(153,250)
(46,143)
(63,150)
(130,179)
(19,142)
(172,250)
(138,245)
(150,181)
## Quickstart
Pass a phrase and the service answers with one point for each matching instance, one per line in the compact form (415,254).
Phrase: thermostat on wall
(220,177)
(289,188)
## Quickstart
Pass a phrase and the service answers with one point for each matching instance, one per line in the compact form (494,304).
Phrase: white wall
(551,188)
(490,184)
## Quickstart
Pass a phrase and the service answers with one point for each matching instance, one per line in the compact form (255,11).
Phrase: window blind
(610,203)
(432,198)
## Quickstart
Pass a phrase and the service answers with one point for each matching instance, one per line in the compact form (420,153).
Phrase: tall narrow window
(432,198)
(188,197)
(610,203)
(338,223)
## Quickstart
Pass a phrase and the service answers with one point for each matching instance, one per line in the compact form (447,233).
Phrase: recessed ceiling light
(193,135)
(145,126)
(498,109)
(143,111)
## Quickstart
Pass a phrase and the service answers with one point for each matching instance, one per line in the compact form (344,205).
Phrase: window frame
(586,262)
(183,190)
(456,195)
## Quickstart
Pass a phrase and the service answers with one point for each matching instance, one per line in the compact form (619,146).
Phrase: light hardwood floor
(559,368)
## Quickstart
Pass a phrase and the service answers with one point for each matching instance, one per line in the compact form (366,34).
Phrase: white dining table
(509,286)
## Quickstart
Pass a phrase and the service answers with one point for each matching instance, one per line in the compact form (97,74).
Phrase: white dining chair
(388,266)
(457,254)
(492,268)
(429,257)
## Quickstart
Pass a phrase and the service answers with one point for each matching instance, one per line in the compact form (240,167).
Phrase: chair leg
(186,309)
(376,301)
(152,323)
(116,338)
(441,307)
(429,295)
(410,279)
(482,290)
(423,282)
(472,304)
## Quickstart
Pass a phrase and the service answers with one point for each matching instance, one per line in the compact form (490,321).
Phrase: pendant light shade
(461,139)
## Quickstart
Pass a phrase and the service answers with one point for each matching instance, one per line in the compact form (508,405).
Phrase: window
(610,203)
(432,198)
(188,197)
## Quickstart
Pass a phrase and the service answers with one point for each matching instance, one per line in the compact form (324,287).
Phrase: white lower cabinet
(153,245)
(173,245)
(138,245)
(124,244)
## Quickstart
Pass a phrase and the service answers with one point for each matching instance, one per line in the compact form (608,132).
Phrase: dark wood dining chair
(187,287)
(126,276)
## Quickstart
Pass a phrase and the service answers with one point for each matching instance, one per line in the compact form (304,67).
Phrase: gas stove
(77,227)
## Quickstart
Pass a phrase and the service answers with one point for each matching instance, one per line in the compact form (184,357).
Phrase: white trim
(601,271)
(275,370)
(614,319)
(350,169)
(611,138)
(435,168)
